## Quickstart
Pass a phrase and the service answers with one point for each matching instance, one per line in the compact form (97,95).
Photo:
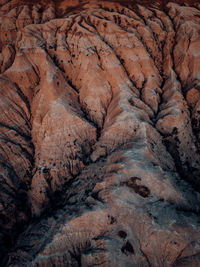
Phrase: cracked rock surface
(99,133)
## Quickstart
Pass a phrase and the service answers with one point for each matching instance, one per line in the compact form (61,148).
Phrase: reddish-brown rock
(99,133)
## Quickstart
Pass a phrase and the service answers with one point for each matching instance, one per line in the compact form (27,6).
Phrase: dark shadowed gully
(99,133)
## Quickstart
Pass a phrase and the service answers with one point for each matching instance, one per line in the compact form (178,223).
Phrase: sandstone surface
(99,133)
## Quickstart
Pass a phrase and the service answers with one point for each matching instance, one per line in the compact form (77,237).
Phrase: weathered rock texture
(99,134)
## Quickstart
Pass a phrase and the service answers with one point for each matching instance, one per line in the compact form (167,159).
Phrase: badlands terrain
(99,133)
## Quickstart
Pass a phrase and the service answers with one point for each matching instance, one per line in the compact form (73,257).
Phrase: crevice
(23,135)
(64,206)
(185,171)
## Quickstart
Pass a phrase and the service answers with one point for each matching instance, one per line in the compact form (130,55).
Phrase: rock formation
(99,133)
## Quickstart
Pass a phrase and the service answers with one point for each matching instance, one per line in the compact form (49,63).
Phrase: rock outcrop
(99,133)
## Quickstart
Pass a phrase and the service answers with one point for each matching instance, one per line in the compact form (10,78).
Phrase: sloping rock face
(99,134)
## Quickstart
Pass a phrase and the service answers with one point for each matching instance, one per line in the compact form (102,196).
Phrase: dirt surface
(99,133)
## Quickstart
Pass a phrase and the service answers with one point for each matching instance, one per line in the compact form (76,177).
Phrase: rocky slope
(99,133)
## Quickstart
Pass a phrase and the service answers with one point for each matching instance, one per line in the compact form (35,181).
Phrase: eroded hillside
(99,133)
